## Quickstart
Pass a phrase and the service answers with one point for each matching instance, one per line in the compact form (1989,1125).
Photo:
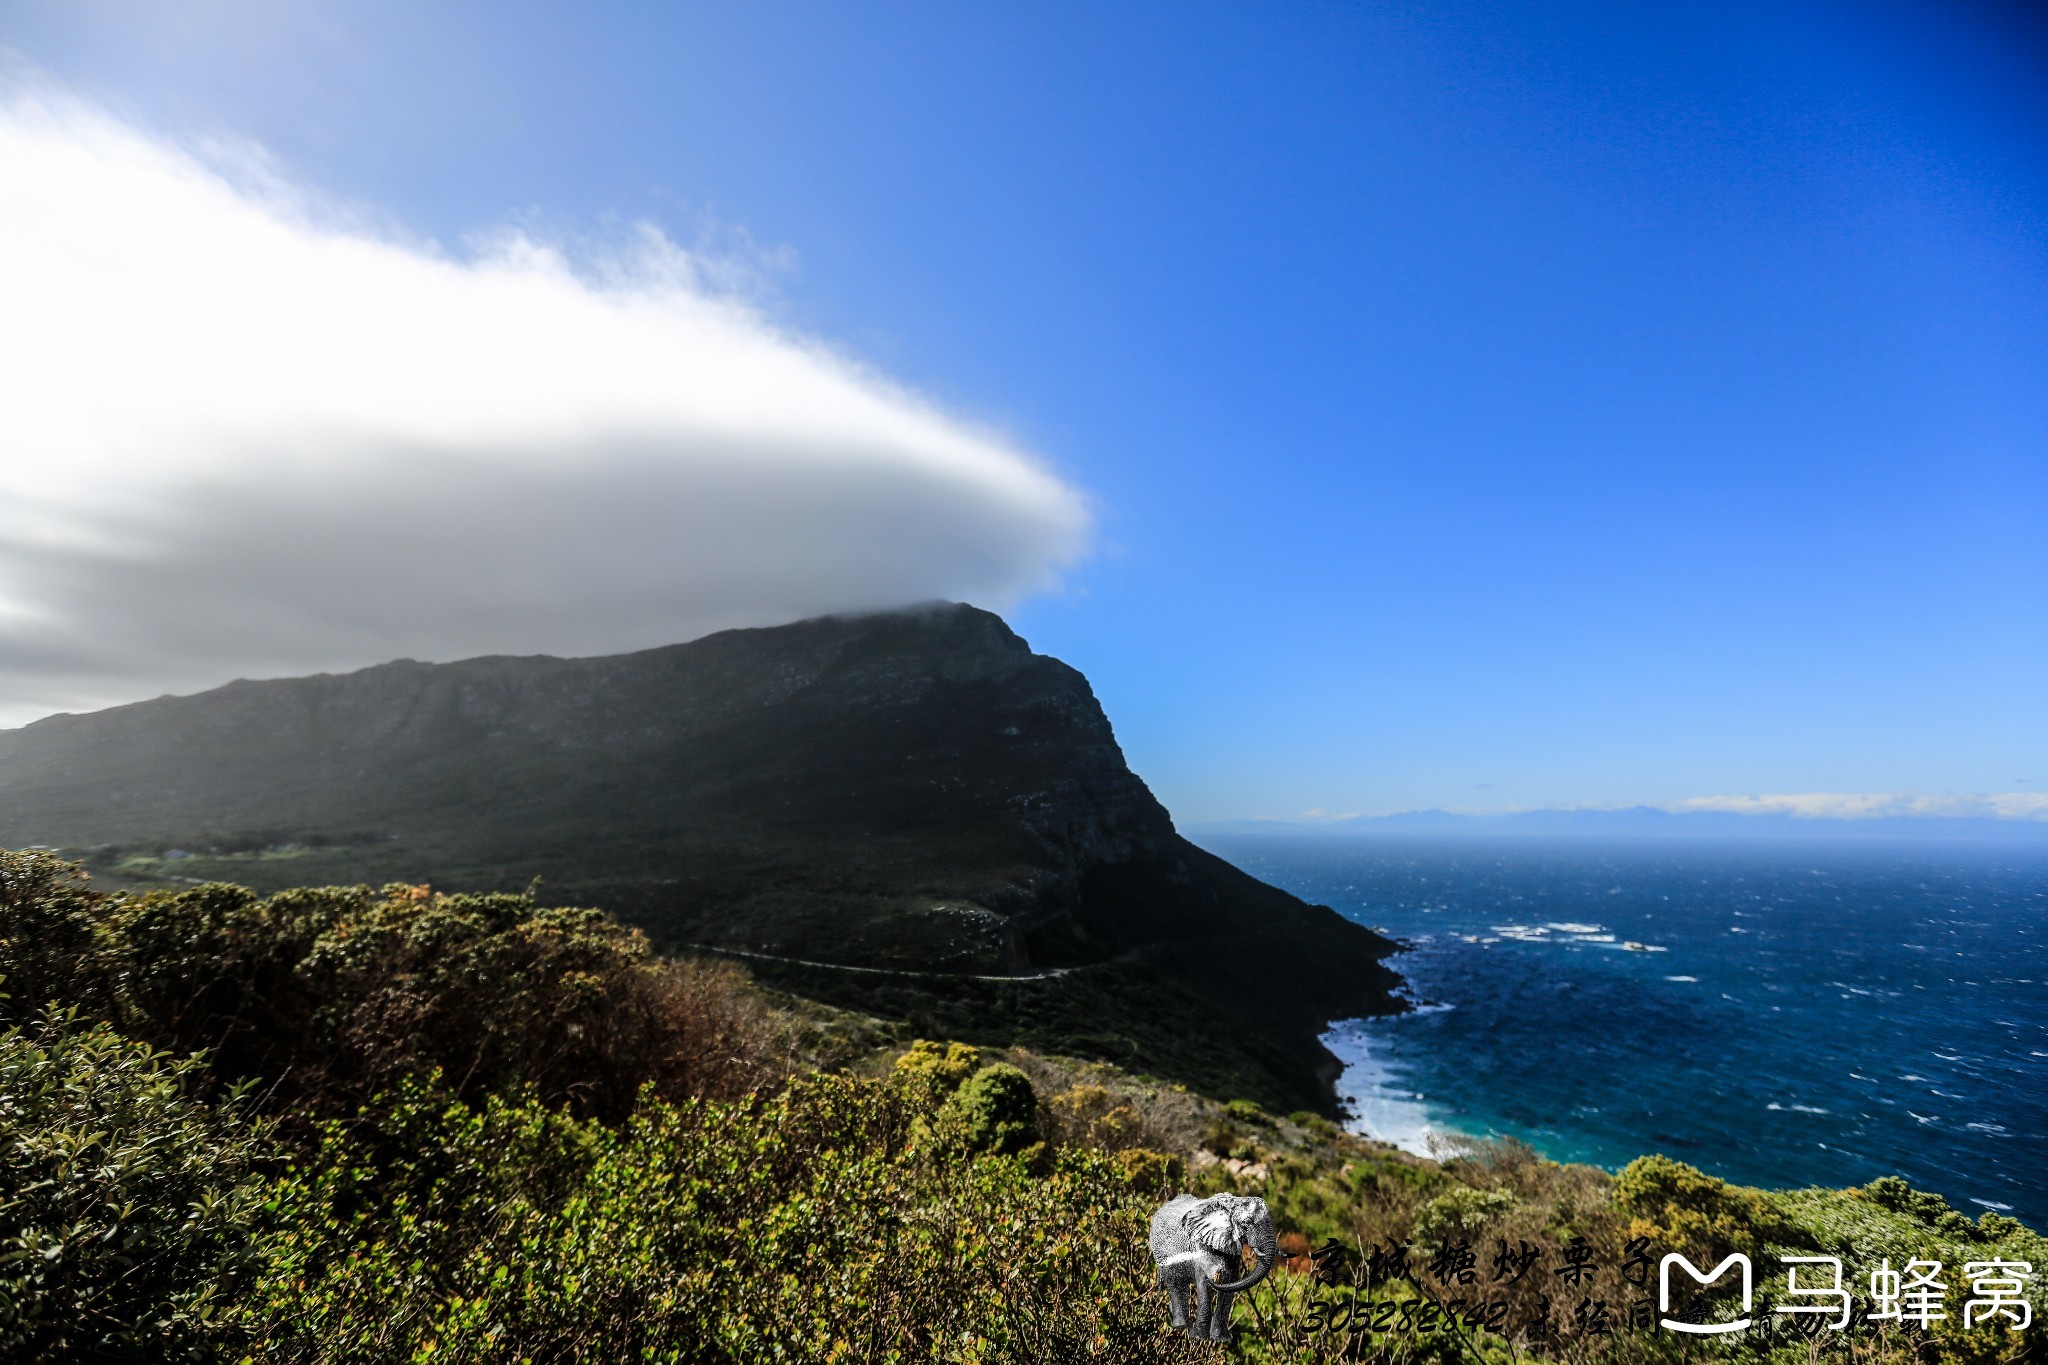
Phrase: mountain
(1649,822)
(907,812)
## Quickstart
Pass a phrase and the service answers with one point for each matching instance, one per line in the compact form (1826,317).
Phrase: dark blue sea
(1781,1014)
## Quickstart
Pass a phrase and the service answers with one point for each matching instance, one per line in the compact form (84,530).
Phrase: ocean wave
(1378,1103)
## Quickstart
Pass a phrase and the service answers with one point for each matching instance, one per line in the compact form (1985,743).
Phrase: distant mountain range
(909,812)
(1643,822)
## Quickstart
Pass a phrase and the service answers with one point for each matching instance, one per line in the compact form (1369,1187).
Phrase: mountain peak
(912,791)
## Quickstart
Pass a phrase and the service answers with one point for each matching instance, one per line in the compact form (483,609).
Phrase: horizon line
(2019,808)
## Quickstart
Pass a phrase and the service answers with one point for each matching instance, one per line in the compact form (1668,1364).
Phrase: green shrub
(1095,1116)
(1892,1192)
(1245,1111)
(1457,1214)
(1685,1209)
(1150,1172)
(329,995)
(930,1072)
(1317,1127)
(994,1110)
(49,936)
(804,1227)
(127,1208)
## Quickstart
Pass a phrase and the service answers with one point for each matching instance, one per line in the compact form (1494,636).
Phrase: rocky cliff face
(914,790)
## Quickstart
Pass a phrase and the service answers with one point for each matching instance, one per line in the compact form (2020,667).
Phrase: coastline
(1375,1095)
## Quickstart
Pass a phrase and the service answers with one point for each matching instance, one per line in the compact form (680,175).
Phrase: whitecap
(1370,1087)
(1993,1205)
(1681,978)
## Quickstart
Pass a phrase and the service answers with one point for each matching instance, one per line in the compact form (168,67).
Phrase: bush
(1457,1214)
(930,1072)
(1892,1192)
(49,918)
(1092,1104)
(806,1227)
(1245,1111)
(1094,1116)
(1317,1127)
(995,1110)
(128,1209)
(1149,1172)
(330,995)
(1678,1206)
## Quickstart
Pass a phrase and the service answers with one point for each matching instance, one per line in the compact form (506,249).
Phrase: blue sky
(1478,405)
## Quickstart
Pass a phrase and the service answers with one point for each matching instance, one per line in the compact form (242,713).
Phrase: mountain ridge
(912,791)
(1642,821)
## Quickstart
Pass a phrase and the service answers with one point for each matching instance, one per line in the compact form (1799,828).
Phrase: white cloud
(245,433)
(1878,805)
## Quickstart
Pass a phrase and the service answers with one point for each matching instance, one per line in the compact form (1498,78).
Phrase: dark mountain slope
(914,791)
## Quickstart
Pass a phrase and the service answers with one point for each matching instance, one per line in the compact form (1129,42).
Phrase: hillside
(913,793)
(344,1125)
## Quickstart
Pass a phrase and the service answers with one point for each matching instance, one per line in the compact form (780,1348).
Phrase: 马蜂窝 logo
(1702,1278)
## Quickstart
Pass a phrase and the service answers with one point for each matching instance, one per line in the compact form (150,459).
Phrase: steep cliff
(915,792)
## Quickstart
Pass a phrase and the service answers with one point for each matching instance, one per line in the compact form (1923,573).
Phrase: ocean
(1809,1012)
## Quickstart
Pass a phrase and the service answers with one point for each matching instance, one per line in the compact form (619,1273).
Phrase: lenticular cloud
(243,434)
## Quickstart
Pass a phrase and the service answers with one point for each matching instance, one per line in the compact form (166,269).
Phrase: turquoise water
(1791,1014)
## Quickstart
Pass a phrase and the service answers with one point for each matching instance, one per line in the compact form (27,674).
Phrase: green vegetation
(127,1208)
(1132,1014)
(348,1124)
